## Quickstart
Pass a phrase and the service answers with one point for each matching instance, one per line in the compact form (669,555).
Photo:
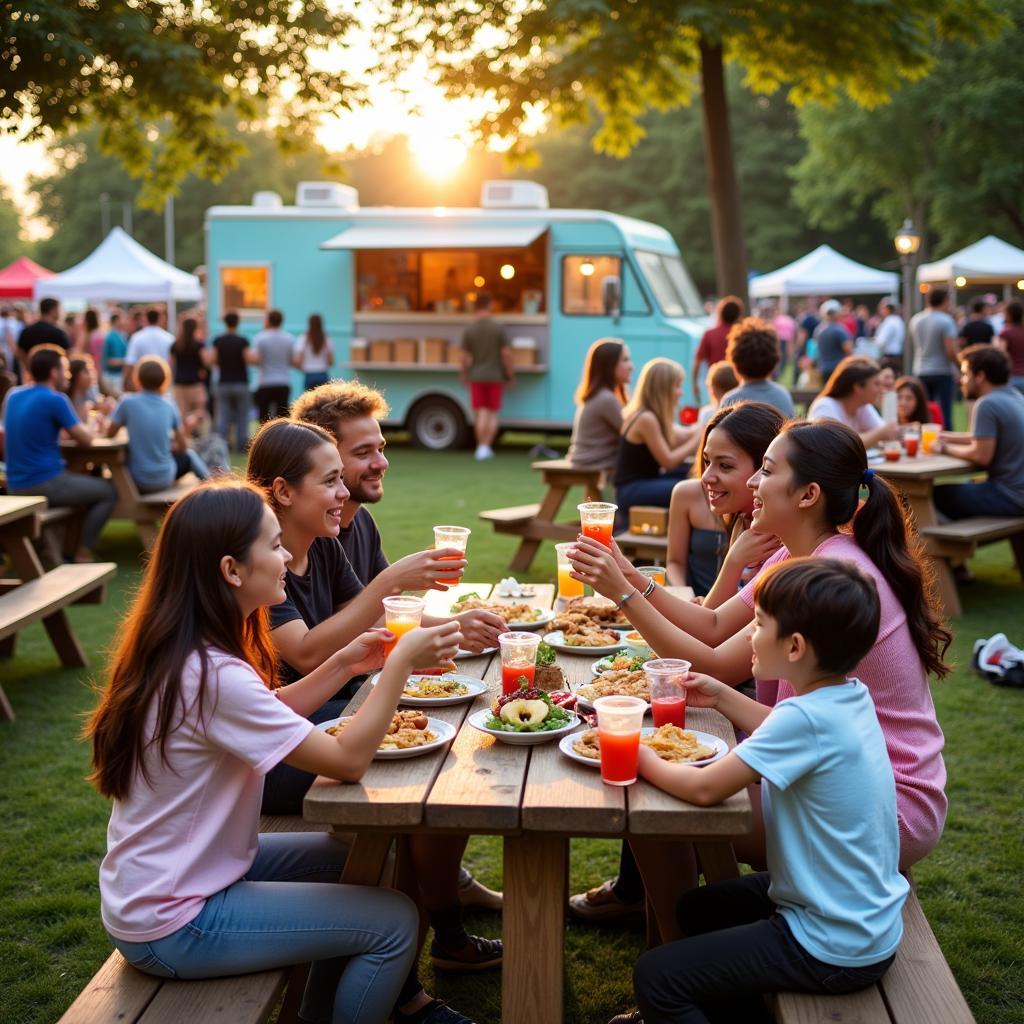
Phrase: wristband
(626,597)
(649,589)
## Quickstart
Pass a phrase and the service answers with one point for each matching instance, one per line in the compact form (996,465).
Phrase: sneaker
(998,661)
(601,904)
(633,1017)
(476,895)
(478,954)
(483,451)
(437,1011)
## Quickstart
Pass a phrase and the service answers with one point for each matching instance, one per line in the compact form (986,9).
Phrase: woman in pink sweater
(809,493)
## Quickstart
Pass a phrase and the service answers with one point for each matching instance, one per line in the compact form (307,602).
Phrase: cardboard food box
(524,352)
(435,350)
(454,355)
(404,350)
(380,351)
(358,350)
(649,520)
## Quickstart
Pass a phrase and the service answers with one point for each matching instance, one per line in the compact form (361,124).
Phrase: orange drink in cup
(929,435)
(597,519)
(618,728)
(653,572)
(518,659)
(451,537)
(401,614)
(567,586)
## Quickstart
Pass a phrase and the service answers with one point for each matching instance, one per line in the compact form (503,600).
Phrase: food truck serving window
(245,289)
(449,280)
(671,284)
(582,283)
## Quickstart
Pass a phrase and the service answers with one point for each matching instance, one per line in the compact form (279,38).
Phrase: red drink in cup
(668,694)
(669,711)
(518,659)
(912,439)
(514,677)
(597,519)
(618,729)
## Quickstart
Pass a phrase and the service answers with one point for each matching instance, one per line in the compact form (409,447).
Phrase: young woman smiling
(189,724)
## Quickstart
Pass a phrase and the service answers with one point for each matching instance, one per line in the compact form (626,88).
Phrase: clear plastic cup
(668,694)
(618,727)
(929,435)
(597,519)
(567,586)
(892,450)
(912,439)
(451,537)
(518,659)
(401,614)
(653,572)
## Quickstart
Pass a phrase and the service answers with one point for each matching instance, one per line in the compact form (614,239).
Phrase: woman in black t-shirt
(189,371)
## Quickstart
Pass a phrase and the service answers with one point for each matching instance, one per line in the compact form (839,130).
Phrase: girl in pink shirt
(189,724)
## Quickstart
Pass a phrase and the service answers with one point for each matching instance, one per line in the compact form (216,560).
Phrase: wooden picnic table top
(118,443)
(924,467)
(17,506)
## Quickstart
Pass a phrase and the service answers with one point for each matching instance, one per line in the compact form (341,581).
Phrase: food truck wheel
(437,423)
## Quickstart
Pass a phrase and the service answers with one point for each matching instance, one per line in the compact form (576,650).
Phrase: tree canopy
(11,244)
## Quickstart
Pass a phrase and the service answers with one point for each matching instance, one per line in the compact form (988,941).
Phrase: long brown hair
(658,379)
(599,370)
(315,337)
(284,448)
(186,338)
(853,370)
(183,607)
(921,413)
(832,455)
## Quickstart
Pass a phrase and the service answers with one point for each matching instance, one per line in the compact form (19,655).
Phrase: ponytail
(832,455)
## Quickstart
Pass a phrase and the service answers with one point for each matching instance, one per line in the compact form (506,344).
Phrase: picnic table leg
(6,711)
(920,495)
(529,546)
(366,859)
(717,861)
(533,929)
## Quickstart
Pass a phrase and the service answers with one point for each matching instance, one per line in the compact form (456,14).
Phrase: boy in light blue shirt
(826,917)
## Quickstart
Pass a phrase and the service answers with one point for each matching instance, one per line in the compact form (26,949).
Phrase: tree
(948,151)
(155,74)
(11,244)
(621,58)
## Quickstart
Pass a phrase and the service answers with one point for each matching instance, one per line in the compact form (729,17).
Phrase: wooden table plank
(924,467)
(17,506)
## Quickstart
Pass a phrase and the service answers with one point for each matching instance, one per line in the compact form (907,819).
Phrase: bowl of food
(636,644)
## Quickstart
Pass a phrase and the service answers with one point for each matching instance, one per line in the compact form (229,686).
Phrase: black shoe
(633,1017)
(478,954)
(437,1011)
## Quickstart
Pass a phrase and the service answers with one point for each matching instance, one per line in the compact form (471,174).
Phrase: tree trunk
(726,216)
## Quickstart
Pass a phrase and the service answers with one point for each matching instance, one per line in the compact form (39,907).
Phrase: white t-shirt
(312,362)
(149,341)
(173,845)
(890,334)
(864,419)
(274,346)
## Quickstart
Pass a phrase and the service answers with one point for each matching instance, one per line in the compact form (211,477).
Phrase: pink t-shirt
(194,833)
(896,678)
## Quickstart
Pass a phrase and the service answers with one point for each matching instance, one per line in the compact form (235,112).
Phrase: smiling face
(316,502)
(727,468)
(624,367)
(361,446)
(770,650)
(262,574)
(777,503)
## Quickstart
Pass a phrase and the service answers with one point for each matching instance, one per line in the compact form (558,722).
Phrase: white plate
(545,618)
(557,640)
(720,747)
(585,702)
(461,655)
(473,686)
(444,731)
(602,664)
(519,739)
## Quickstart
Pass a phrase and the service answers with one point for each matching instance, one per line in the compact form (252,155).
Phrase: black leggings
(745,949)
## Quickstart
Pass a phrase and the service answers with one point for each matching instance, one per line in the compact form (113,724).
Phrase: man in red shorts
(486,367)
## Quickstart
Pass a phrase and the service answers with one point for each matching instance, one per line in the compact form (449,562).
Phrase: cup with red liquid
(518,660)
(619,720)
(688,415)
(911,439)
(401,614)
(451,537)
(597,520)
(668,694)
(892,450)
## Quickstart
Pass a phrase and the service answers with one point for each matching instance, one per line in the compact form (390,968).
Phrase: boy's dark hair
(42,361)
(834,605)
(753,348)
(231,320)
(152,316)
(151,373)
(275,318)
(937,296)
(989,360)
(978,305)
(47,306)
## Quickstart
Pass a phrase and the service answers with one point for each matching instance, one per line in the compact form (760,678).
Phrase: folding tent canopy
(17,279)
(823,272)
(990,260)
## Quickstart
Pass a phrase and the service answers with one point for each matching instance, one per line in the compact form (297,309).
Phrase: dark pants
(272,401)
(960,501)
(314,380)
(939,388)
(656,490)
(745,949)
(94,494)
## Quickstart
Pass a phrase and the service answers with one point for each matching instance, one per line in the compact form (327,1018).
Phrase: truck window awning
(437,236)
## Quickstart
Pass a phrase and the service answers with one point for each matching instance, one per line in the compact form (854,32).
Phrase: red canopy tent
(16,280)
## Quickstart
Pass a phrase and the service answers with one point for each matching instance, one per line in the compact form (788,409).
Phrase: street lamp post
(907,242)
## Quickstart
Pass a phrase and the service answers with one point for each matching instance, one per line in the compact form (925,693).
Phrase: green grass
(53,823)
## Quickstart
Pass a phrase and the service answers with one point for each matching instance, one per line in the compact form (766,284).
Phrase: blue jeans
(289,909)
(960,501)
(939,388)
(314,380)
(233,404)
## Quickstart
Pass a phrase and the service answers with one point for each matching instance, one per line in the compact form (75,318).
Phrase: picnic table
(536,799)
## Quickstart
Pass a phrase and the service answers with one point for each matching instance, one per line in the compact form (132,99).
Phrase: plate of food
(599,610)
(517,615)
(461,654)
(524,718)
(428,691)
(591,641)
(620,661)
(410,734)
(615,683)
(669,742)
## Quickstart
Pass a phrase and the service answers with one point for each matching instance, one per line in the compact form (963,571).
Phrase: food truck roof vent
(266,200)
(327,193)
(513,195)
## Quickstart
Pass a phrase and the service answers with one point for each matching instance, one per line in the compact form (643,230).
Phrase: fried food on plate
(434,688)
(587,745)
(509,612)
(600,609)
(617,683)
(407,729)
(676,745)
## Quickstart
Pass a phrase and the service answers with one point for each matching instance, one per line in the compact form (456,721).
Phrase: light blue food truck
(396,288)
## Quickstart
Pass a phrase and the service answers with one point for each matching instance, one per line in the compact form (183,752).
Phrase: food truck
(397,287)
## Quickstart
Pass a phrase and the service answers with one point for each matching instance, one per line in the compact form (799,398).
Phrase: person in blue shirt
(826,917)
(114,348)
(34,415)
(153,422)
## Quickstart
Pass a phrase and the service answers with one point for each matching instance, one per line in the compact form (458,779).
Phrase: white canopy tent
(823,272)
(990,260)
(121,270)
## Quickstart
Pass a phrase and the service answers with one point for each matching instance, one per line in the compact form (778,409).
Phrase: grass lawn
(53,823)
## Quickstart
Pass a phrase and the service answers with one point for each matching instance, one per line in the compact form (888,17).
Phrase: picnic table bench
(536,522)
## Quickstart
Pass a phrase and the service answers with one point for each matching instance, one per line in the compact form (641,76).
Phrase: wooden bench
(643,545)
(958,541)
(151,508)
(60,528)
(919,988)
(536,523)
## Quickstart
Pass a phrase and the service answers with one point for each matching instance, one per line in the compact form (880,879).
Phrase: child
(189,724)
(721,379)
(152,421)
(827,915)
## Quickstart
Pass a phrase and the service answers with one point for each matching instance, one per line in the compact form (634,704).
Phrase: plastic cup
(451,537)
(401,614)
(518,659)
(668,694)
(618,728)
(892,450)
(912,439)
(929,435)
(597,519)
(653,572)
(567,586)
